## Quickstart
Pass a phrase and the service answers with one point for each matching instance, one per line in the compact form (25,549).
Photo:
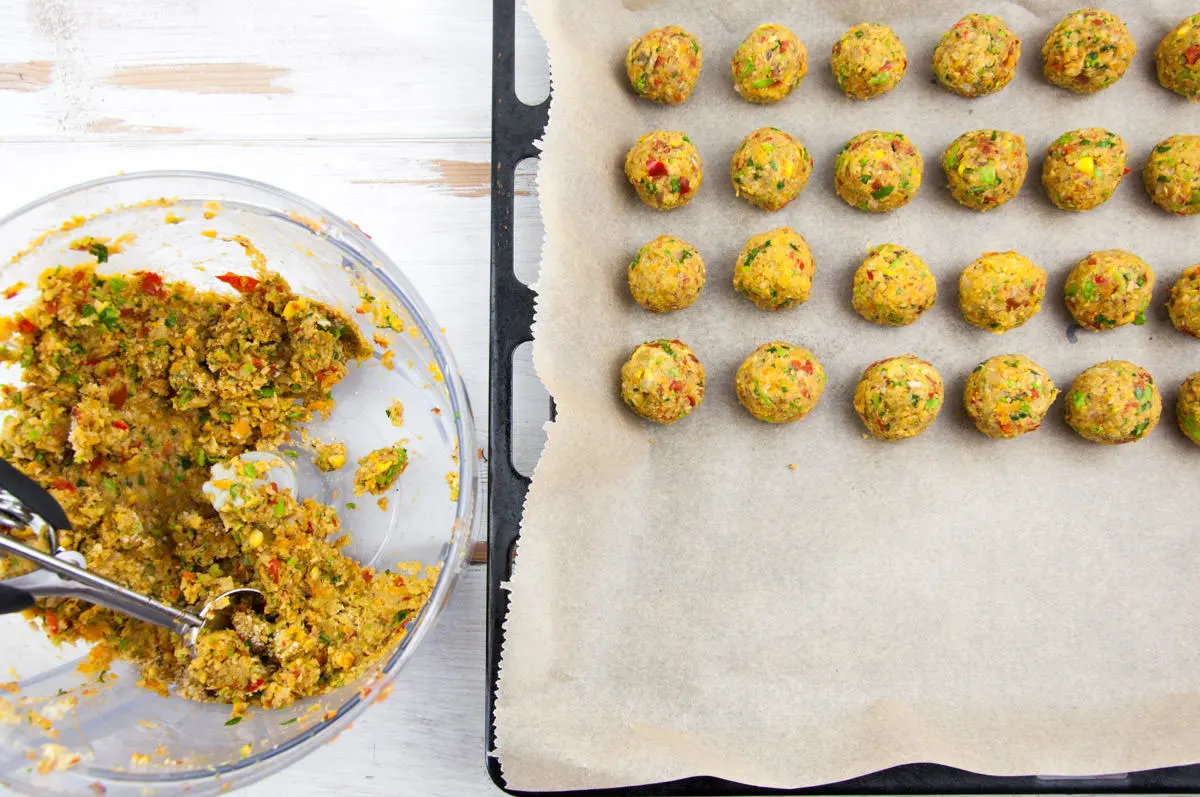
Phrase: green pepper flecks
(1001,291)
(1177,59)
(1083,168)
(1172,175)
(1108,289)
(893,287)
(768,64)
(1087,51)
(662,381)
(666,274)
(878,171)
(779,382)
(985,168)
(977,56)
(775,269)
(664,64)
(665,169)
(770,168)
(1187,408)
(1183,305)
(1008,395)
(869,60)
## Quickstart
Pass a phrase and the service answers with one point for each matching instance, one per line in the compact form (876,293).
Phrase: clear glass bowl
(129,740)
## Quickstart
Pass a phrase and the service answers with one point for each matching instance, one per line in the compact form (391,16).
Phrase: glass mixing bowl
(62,732)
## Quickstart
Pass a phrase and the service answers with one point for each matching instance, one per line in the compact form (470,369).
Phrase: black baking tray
(515,128)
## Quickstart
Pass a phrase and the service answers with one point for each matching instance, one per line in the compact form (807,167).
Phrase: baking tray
(515,128)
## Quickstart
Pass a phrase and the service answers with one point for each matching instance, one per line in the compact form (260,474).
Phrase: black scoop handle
(14,600)
(33,496)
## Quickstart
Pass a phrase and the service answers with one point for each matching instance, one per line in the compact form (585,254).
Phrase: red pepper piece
(118,396)
(254,685)
(152,285)
(238,282)
(124,427)
(684,186)
(273,570)
(26,326)
(62,484)
(656,168)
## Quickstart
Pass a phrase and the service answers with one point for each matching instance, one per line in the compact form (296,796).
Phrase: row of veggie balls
(880,171)
(1086,51)
(893,286)
(1006,396)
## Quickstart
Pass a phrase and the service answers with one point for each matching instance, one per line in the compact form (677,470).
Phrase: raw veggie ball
(893,287)
(1172,175)
(1087,51)
(985,168)
(779,382)
(1008,395)
(878,171)
(770,168)
(662,381)
(1001,291)
(665,169)
(1183,306)
(666,274)
(899,397)
(977,56)
(1177,59)
(868,60)
(1113,402)
(1187,409)
(664,64)
(1109,288)
(775,269)
(1084,167)
(768,64)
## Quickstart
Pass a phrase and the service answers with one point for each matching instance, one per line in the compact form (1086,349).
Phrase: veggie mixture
(1177,59)
(985,168)
(1172,175)
(779,382)
(775,269)
(1087,51)
(977,56)
(1084,167)
(662,381)
(899,397)
(770,168)
(1113,402)
(878,171)
(664,64)
(133,388)
(1008,395)
(665,169)
(1109,289)
(893,287)
(768,64)
(1001,291)
(666,274)
(869,60)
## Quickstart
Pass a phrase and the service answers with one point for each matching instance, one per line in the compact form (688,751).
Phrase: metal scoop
(24,504)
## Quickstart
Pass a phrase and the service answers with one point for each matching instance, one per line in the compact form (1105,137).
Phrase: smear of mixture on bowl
(133,387)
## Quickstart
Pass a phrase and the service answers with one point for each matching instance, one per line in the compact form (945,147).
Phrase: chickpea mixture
(133,388)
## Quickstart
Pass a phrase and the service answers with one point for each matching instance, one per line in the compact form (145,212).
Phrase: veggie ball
(768,64)
(899,397)
(1113,402)
(868,60)
(1001,291)
(770,168)
(893,287)
(1172,175)
(1177,59)
(1109,288)
(664,64)
(1084,167)
(878,171)
(985,168)
(665,169)
(1183,305)
(1008,395)
(666,274)
(977,56)
(775,269)
(779,382)
(662,381)
(1187,409)
(1087,50)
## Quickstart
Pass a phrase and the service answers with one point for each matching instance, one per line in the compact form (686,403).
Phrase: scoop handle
(14,600)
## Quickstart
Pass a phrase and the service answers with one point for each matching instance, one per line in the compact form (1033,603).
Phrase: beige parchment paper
(684,603)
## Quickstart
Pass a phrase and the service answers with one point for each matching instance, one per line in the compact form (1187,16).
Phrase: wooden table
(377,110)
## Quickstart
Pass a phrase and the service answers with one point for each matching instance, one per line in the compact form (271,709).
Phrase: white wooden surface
(379,111)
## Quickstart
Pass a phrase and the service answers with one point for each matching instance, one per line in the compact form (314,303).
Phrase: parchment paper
(684,603)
